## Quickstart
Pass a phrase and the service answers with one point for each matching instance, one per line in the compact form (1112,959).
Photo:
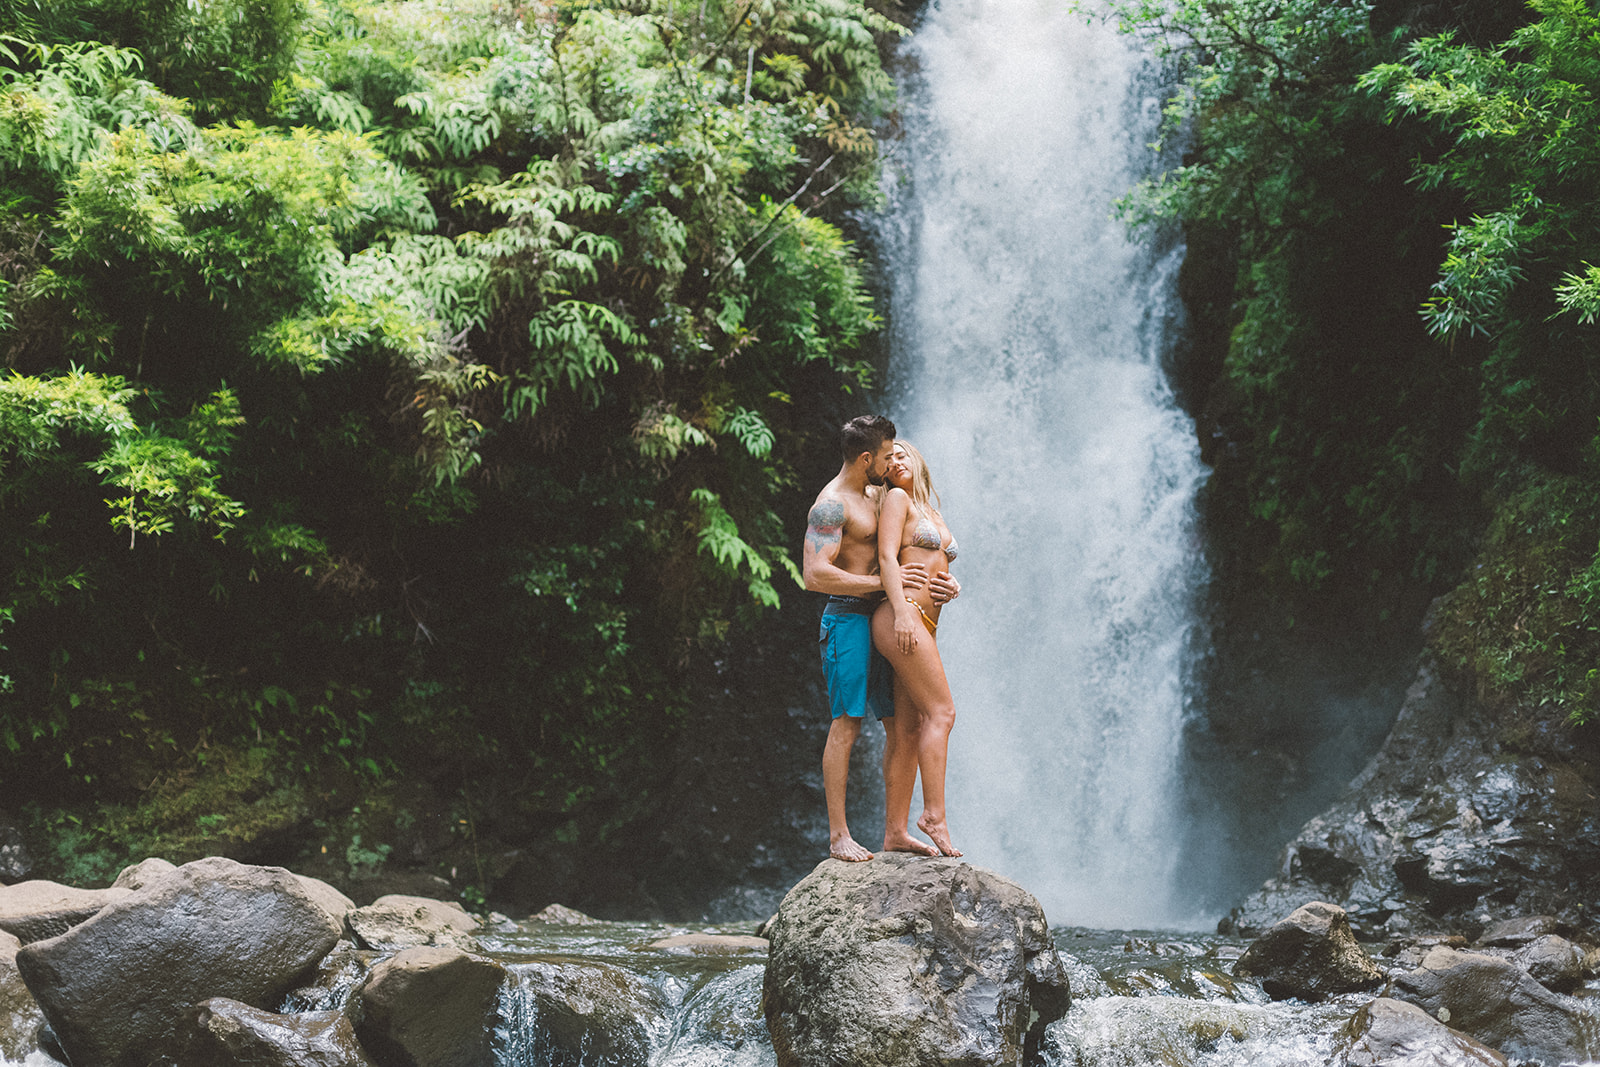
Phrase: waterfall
(1030,332)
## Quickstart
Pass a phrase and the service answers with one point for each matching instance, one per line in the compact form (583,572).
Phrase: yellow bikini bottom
(929,623)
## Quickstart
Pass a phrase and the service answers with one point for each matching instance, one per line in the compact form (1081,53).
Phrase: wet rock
(1494,1001)
(395,922)
(371,888)
(561,914)
(710,945)
(1406,953)
(33,911)
(1391,1032)
(1444,828)
(910,961)
(221,1031)
(115,987)
(15,862)
(336,904)
(20,1017)
(1553,962)
(1513,933)
(1310,955)
(574,1014)
(143,873)
(430,1007)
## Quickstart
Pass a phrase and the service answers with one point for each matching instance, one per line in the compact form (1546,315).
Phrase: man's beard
(877,479)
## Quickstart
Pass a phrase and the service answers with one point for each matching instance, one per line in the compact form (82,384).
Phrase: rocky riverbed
(900,961)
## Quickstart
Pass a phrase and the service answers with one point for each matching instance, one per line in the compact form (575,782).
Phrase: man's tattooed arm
(820,559)
(825,526)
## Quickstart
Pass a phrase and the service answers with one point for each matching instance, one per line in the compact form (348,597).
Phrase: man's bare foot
(844,847)
(904,842)
(940,834)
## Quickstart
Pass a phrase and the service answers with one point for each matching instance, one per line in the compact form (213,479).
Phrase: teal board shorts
(859,678)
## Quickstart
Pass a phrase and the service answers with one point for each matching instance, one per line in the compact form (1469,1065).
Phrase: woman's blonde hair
(924,499)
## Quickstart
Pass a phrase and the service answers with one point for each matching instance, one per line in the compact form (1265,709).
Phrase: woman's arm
(891,527)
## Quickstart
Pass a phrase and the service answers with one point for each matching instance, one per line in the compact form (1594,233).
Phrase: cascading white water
(1029,336)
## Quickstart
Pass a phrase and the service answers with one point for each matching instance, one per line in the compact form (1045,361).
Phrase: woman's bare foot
(940,834)
(904,842)
(844,847)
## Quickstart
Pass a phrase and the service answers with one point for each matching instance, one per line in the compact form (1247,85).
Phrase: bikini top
(926,535)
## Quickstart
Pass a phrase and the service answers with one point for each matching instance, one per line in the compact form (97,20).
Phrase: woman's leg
(900,756)
(901,753)
(920,676)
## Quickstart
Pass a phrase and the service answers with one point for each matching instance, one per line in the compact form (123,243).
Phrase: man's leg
(835,773)
(900,750)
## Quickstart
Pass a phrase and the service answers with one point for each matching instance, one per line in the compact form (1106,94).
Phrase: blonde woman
(904,629)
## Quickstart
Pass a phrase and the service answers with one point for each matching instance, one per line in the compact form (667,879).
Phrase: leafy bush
(411,384)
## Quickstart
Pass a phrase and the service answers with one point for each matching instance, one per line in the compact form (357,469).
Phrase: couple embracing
(876,544)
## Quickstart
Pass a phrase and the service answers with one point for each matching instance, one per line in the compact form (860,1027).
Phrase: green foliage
(1269,84)
(230,801)
(1412,323)
(1522,152)
(410,383)
(1338,410)
(224,57)
(1523,149)
(1526,621)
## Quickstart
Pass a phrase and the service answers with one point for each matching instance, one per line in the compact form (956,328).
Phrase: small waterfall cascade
(1030,332)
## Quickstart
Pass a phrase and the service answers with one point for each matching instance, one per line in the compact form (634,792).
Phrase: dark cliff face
(1463,817)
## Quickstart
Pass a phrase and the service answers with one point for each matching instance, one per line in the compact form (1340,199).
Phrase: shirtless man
(840,559)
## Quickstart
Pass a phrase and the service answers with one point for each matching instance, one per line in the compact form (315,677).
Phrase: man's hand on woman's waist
(944,588)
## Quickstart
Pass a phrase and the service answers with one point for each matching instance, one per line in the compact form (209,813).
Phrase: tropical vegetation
(1395,206)
(405,386)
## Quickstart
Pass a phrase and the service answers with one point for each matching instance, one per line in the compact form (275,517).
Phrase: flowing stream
(1030,333)
(1140,998)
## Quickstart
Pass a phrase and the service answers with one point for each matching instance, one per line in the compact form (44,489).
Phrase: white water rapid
(1029,336)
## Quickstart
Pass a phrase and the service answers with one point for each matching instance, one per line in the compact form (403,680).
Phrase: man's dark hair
(864,433)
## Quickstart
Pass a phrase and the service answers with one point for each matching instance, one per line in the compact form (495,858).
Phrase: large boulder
(115,987)
(20,1017)
(141,874)
(571,1014)
(1390,1033)
(33,911)
(1496,1002)
(221,1031)
(392,923)
(430,1007)
(909,961)
(336,904)
(1552,961)
(1310,955)
(1446,825)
